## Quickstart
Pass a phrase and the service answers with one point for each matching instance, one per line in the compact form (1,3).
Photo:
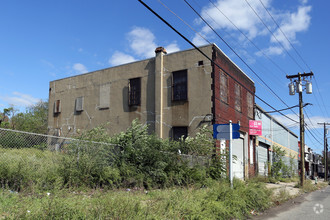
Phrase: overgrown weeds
(218,201)
(130,159)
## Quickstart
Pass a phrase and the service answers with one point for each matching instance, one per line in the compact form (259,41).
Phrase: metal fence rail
(21,139)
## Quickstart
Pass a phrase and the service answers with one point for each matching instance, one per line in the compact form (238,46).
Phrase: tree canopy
(34,119)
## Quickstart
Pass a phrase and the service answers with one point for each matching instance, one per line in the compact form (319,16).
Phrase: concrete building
(175,94)
(274,134)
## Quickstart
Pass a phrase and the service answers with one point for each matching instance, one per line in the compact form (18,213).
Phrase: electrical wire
(263,5)
(307,129)
(285,35)
(238,55)
(262,21)
(192,44)
(246,37)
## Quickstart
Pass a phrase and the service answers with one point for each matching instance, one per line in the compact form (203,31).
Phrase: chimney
(160,49)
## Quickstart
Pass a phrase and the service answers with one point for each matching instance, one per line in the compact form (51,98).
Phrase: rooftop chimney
(160,49)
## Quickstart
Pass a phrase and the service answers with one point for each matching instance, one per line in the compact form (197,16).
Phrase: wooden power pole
(325,150)
(301,121)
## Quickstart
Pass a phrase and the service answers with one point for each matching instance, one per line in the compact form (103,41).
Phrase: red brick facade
(237,94)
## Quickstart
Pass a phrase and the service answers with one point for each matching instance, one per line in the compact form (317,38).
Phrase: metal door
(263,159)
(238,164)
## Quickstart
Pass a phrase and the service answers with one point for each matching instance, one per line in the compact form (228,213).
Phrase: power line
(208,40)
(192,44)
(184,22)
(310,121)
(285,35)
(273,34)
(237,54)
(306,126)
(317,87)
(271,60)
(292,47)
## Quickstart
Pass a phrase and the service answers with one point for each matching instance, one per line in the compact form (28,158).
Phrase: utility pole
(299,90)
(325,151)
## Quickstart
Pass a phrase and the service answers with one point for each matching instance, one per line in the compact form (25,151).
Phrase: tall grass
(218,201)
(28,168)
(85,181)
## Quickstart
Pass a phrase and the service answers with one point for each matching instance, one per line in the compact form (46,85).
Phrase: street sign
(222,131)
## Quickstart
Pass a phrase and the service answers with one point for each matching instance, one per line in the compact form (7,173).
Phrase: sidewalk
(289,187)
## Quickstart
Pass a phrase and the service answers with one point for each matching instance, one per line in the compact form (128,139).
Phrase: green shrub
(130,159)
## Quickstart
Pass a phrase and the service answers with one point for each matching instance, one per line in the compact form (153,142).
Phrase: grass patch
(216,202)
(310,186)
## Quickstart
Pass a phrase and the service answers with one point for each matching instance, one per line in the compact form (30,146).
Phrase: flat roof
(203,46)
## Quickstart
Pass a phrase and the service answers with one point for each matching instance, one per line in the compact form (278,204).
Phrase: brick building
(175,94)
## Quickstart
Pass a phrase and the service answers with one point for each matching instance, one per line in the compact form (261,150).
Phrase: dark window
(238,105)
(178,132)
(57,106)
(134,91)
(200,63)
(223,87)
(179,86)
(250,104)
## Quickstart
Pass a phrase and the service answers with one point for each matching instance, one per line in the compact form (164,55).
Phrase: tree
(35,118)
(5,117)
(278,164)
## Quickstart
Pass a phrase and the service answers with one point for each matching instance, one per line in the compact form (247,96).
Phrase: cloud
(119,58)
(171,48)
(79,68)
(224,13)
(20,99)
(142,44)
(295,22)
(237,12)
(141,41)
(198,40)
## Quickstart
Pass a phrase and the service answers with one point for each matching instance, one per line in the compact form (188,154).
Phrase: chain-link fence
(19,139)
(25,142)
(35,159)
(45,161)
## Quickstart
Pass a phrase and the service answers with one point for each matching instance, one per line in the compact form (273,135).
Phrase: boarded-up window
(178,132)
(238,105)
(179,86)
(134,91)
(104,96)
(223,87)
(57,106)
(79,104)
(250,105)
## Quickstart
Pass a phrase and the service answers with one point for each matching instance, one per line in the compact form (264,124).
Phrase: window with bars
(238,104)
(178,132)
(249,99)
(223,87)
(179,86)
(134,92)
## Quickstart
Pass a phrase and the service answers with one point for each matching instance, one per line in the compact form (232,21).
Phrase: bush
(130,159)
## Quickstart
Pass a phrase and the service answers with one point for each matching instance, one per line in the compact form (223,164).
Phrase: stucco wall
(119,115)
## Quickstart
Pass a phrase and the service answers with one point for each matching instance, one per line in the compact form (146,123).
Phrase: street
(312,206)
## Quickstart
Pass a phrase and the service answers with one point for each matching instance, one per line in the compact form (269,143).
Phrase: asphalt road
(315,205)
